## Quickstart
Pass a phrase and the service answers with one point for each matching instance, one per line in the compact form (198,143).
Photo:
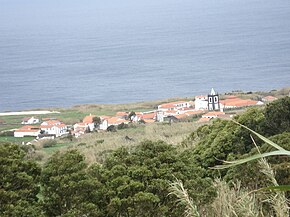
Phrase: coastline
(28,113)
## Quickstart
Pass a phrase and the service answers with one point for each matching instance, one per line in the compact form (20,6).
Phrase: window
(215,99)
(210,99)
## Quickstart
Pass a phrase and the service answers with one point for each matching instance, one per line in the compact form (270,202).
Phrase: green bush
(47,143)
(122,126)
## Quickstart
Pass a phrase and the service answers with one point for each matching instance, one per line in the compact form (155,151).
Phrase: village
(204,108)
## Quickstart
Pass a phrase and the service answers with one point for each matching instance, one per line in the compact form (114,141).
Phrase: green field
(15,140)
(55,148)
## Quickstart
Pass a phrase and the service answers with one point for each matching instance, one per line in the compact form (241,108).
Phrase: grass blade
(251,158)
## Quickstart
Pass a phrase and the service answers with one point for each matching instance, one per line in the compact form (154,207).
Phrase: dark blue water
(66,52)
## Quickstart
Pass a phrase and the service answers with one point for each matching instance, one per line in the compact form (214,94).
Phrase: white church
(210,102)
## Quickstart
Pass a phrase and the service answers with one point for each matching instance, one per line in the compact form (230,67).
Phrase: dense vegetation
(134,181)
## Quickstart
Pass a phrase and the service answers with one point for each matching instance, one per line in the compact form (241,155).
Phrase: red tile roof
(148,116)
(171,104)
(51,122)
(121,114)
(89,119)
(116,120)
(237,102)
(28,128)
(26,119)
(213,113)
(51,126)
(105,117)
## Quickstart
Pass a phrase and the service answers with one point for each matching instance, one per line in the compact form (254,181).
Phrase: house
(148,117)
(53,127)
(173,106)
(80,129)
(107,121)
(234,102)
(269,99)
(104,122)
(213,114)
(30,120)
(201,103)
(27,130)
(89,121)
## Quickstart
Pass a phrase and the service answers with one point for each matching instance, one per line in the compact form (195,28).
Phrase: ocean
(60,53)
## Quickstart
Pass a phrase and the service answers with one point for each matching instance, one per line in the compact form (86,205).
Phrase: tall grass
(96,151)
(278,200)
(234,202)
(176,188)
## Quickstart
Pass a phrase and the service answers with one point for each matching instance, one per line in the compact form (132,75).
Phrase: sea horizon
(65,53)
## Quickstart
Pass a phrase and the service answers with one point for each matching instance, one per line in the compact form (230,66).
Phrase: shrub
(100,141)
(111,128)
(82,144)
(122,126)
(7,133)
(48,143)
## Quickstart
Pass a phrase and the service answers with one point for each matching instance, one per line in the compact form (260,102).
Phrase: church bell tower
(213,101)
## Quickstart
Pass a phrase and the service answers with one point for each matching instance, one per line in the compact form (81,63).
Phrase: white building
(89,122)
(30,120)
(173,106)
(53,127)
(27,131)
(201,103)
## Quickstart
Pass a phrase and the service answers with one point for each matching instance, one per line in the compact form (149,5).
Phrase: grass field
(95,146)
(57,147)
(15,140)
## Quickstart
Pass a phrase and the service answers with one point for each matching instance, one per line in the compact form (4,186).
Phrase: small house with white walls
(89,122)
(30,120)
(174,106)
(27,131)
(54,127)
(80,129)
(201,103)
(269,99)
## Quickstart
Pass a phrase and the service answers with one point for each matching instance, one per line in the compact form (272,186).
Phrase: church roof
(212,92)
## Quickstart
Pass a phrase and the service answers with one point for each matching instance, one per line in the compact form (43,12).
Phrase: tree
(131,116)
(97,121)
(137,180)
(67,188)
(18,183)
(111,128)
(277,116)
